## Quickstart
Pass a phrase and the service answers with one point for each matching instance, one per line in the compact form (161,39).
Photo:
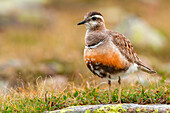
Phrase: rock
(112,108)
(7,6)
(20,71)
(130,110)
(9,67)
(3,86)
(23,12)
(140,32)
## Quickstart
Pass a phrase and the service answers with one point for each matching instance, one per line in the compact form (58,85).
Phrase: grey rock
(23,12)
(113,108)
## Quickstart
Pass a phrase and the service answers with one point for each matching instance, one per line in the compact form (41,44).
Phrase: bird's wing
(127,50)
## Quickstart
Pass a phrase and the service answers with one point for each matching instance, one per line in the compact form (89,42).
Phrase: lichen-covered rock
(139,31)
(114,108)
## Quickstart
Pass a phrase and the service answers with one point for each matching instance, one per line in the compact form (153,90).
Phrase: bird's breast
(106,61)
(106,54)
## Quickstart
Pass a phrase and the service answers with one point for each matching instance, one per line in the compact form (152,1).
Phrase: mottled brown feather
(127,50)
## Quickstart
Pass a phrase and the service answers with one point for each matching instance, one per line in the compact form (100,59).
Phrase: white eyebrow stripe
(98,16)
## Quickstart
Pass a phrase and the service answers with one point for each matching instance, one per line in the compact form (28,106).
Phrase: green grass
(40,99)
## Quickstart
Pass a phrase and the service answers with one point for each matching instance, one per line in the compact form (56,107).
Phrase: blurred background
(41,39)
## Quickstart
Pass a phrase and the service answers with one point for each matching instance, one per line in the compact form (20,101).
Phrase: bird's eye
(94,18)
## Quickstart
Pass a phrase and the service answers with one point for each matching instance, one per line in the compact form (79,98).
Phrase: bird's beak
(81,22)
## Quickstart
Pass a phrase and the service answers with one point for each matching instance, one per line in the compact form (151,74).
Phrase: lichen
(110,109)
(88,111)
(155,111)
(145,110)
(138,110)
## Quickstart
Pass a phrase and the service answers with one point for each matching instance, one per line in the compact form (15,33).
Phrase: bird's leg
(110,97)
(119,97)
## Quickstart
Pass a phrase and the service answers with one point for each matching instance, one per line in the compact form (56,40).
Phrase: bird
(109,54)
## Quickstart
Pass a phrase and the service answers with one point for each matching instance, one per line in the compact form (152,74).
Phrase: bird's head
(93,21)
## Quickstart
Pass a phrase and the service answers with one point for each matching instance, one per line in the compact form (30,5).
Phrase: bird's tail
(145,69)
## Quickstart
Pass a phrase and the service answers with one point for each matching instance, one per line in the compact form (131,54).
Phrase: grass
(38,98)
(56,46)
